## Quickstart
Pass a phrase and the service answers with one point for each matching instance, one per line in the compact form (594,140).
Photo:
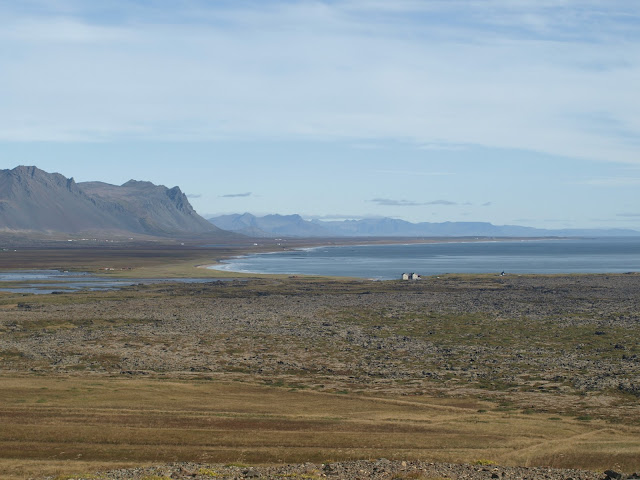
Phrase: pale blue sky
(520,112)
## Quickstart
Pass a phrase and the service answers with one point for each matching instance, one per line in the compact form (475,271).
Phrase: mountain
(34,200)
(389,227)
(296,226)
(269,225)
(385,227)
(155,208)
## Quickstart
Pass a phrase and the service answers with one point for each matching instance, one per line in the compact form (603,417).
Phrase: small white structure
(410,276)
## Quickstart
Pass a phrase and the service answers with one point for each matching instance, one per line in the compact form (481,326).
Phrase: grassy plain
(59,426)
(513,370)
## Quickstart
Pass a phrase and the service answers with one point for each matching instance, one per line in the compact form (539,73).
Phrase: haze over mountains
(32,200)
(296,226)
(270,225)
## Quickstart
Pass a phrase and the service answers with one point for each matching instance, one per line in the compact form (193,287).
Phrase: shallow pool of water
(49,281)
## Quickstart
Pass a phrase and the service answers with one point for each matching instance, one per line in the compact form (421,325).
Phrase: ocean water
(383,262)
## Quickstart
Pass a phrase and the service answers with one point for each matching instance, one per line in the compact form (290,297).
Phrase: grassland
(75,425)
(541,370)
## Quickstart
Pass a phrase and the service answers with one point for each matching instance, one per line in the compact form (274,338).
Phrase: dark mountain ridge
(34,200)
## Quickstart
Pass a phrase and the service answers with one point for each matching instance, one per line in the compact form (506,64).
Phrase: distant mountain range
(270,225)
(296,226)
(32,200)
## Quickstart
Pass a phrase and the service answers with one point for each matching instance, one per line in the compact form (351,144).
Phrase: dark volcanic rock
(359,469)
(613,475)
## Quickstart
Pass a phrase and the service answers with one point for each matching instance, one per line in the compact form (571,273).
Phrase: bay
(383,262)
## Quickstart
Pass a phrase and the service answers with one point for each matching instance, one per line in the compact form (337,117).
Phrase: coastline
(307,245)
(511,255)
(190,259)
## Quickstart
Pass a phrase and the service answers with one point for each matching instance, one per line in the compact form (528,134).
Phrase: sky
(505,111)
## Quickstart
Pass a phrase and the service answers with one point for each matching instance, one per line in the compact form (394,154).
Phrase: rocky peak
(32,177)
(33,199)
(180,200)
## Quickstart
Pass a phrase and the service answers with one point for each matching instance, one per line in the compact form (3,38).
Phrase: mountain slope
(270,225)
(34,200)
(154,208)
(245,224)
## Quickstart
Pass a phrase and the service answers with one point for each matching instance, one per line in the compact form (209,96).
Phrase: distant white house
(410,276)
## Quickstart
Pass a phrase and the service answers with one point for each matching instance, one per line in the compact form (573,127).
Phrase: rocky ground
(531,340)
(381,469)
(556,344)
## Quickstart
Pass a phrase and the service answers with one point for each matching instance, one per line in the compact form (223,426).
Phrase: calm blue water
(602,255)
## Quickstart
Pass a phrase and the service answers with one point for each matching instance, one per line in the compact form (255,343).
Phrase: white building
(410,276)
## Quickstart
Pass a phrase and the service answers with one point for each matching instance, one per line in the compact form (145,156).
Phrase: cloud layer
(389,202)
(554,77)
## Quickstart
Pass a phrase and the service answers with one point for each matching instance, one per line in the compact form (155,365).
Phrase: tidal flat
(516,370)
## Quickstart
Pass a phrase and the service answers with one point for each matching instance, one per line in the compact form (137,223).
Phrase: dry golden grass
(76,425)
(192,268)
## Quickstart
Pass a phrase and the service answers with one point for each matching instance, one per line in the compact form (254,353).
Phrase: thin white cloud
(435,146)
(611,181)
(413,173)
(516,75)
(64,31)
(390,202)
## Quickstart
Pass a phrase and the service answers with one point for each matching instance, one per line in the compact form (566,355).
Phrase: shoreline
(374,241)
(515,260)
(193,260)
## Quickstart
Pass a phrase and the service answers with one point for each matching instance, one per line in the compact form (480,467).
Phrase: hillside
(32,200)
(270,225)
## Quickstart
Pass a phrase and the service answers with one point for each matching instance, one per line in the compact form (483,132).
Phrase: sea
(384,262)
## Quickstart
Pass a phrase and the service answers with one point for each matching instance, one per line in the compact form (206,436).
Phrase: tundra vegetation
(513,370)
